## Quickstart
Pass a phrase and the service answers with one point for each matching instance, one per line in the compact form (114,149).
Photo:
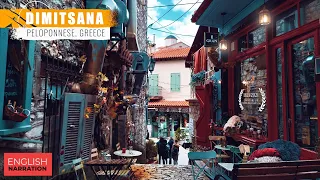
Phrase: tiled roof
(171,53)
(164,103)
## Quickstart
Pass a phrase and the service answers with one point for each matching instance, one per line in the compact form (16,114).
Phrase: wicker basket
(16,116)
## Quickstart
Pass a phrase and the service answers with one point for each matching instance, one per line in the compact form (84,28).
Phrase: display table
(129,154)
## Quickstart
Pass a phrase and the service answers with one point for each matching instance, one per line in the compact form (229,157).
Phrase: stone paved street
(163,172)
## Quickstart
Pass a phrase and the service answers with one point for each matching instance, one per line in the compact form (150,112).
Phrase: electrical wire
(172,5)
(172,33)
(180,16)
(166,13)
(169,32)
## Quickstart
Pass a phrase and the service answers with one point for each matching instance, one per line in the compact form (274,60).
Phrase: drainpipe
(95,52)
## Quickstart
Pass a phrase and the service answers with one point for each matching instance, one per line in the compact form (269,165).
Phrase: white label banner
(61,33)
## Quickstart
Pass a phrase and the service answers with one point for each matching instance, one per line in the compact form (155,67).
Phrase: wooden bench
(288,170)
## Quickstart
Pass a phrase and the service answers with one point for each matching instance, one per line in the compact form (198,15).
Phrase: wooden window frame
(174,87)
(10,127)
(272,43)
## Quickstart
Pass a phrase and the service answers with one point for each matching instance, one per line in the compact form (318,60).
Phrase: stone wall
(140,123)
(142,25)
(194,109)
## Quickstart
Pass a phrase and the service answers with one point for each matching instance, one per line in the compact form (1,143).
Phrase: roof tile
(164,103)
(171,53)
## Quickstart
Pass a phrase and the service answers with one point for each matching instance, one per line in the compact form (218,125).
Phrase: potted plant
(180,135)
(151,151)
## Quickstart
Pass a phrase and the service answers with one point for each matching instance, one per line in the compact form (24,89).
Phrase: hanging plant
(198,78)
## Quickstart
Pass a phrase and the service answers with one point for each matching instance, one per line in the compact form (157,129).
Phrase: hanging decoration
(264,16)
(223,45)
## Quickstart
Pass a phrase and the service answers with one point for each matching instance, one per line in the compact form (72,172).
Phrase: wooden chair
(207,167)
(118,146)
(95,155)
(122,173)
(77,165)
(237,151)
(213,142)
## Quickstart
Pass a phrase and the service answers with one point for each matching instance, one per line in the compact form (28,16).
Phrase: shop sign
(252,99)
(211,39)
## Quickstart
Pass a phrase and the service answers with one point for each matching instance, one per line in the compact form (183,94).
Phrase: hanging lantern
(223,44)
(264,17)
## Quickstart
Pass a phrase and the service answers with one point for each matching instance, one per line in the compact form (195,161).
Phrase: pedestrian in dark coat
(158,147)
(175,152)
(170,143)
(164,150)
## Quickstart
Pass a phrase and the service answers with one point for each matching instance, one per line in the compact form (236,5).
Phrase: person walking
(170,143)
(163,150)
(158,147)
(175,152)
(147,135)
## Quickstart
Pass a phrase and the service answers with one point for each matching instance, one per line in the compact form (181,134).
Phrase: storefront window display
(252,96)
(309,11)
(279,90)
(286,21)
(304,86)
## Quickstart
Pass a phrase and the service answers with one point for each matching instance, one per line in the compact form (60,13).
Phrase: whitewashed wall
(164,70)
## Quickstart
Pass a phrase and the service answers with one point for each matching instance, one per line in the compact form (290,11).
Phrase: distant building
(169,88)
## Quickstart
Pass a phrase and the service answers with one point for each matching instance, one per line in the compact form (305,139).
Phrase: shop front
(272,85)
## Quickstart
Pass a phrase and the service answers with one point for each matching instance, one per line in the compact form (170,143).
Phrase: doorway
(297,104)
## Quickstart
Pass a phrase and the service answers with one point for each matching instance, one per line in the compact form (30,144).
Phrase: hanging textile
(200,60)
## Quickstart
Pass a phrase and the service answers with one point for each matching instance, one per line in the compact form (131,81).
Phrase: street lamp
(152,63)
(151,66)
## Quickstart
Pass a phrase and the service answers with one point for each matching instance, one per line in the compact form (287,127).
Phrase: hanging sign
(211,39)
(252,99)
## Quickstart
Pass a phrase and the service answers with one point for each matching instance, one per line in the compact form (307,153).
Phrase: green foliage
(151,149)
(198,78)
(180,134)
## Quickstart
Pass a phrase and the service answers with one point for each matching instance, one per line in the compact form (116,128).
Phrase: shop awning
(209,13)
(164,103)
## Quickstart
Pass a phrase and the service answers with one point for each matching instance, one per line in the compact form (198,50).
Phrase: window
(286,21)
(242,43)
(257,37)
(309,11)
(253,39)
(153,85)
(253,91)
(304,86)
(279,95)
(11,80)
(175,82)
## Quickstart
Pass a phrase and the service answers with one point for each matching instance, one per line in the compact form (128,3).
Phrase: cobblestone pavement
(163,172)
